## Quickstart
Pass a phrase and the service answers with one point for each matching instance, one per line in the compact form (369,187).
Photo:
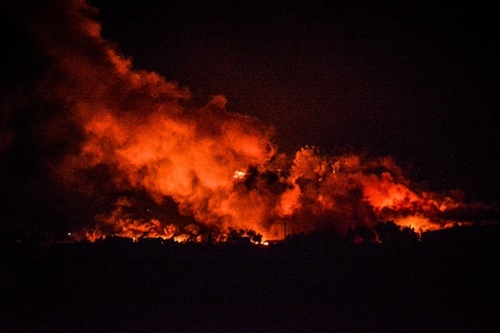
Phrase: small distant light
(69,233)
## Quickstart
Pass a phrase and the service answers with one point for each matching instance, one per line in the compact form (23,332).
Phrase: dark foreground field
(324,286)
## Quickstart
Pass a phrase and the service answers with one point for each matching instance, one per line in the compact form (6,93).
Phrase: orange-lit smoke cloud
(220,167)
(144,128)
(351,190)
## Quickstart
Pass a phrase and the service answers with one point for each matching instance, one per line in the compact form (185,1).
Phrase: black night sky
(414,80)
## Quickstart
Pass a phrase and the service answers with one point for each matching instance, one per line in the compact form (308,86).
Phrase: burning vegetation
(344,195)
(134,143)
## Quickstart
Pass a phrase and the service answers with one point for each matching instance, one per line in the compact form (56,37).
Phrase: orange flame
(219,167)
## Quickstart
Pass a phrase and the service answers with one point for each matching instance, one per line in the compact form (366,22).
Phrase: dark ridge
(445,282)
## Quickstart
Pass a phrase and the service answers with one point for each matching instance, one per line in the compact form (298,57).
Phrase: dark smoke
(89,142)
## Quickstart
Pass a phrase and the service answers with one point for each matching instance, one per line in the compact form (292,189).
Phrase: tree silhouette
(391,233)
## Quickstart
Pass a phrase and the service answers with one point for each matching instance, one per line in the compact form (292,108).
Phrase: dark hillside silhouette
(445,282)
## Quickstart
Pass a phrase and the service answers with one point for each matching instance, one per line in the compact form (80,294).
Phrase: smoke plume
(136,153)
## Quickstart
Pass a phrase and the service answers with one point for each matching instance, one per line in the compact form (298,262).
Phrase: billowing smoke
(144,159)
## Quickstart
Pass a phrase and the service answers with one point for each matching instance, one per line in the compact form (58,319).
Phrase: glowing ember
(239,175)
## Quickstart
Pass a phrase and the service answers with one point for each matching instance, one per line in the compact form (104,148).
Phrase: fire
(142,134)
(239,175)
(319,192)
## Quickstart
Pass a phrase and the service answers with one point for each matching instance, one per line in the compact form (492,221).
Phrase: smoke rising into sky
(90,140)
